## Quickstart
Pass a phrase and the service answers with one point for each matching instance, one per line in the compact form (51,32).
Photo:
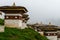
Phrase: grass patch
(21,34)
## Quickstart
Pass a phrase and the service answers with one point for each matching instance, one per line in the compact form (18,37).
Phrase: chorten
(15,16)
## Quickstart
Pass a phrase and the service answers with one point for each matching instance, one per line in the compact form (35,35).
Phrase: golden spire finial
(14,4)
(49,23)
(41,23)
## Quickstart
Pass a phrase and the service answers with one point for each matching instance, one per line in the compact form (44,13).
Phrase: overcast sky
(39,10)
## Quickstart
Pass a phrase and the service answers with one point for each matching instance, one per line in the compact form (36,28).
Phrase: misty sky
(39,10)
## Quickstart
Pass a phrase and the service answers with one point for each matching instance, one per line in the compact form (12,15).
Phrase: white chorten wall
(58,39)
(13,23)
(41,33)
(53,36)
(23,25)
(2,28)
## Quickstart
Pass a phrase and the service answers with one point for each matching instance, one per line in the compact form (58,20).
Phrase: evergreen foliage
(1,22)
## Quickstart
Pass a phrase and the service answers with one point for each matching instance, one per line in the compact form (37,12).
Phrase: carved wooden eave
(25,16)
(8,8)
(25,20)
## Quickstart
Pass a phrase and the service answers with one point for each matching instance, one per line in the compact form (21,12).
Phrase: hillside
(21,34)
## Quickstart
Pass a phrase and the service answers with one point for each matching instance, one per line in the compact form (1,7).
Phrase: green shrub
(1,22)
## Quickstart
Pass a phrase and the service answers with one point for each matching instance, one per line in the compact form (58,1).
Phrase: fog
(39,10)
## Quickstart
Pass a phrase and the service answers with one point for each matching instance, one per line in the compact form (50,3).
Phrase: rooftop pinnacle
(14,4)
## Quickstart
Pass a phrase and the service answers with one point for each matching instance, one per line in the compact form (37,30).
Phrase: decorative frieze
(13,17)
(50,34)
